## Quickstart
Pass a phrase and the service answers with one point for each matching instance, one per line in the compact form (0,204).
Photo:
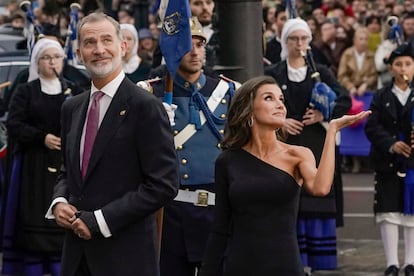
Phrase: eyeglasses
(296,39)
(50,58)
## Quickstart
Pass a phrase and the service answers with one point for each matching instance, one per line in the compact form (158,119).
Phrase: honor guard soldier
(200,105)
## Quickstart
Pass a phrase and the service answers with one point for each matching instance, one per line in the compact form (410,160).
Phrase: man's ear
(123,48)
(78,55)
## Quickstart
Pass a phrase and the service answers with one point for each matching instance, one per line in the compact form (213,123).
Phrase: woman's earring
(250,122)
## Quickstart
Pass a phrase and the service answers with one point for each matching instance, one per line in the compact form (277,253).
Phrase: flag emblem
(171,22)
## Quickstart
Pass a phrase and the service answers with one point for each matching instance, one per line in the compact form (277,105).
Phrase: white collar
(402,95)
(296,74)
(111,88)
(50,87)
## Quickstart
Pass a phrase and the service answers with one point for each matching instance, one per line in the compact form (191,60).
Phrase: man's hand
(64,214)
(81,229)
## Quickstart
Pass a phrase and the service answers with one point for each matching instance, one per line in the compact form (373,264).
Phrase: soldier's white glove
(171,112)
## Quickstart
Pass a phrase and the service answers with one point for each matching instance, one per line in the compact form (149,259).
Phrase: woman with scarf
(305,126)
(134,67)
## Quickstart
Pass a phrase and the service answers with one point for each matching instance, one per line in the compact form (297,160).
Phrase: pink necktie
(92,125)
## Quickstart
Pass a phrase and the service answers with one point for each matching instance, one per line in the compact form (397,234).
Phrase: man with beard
(203,10)
(201,105)
(114,179)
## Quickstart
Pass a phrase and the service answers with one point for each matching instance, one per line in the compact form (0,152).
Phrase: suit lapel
(118,110)
(78,121)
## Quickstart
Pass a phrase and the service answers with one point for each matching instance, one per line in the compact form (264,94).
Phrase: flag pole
(175,42)
(168,88)
(160,213)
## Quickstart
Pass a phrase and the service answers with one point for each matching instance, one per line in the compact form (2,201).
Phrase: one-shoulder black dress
(254,232)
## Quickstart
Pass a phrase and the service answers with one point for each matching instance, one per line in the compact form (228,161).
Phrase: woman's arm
(318,181)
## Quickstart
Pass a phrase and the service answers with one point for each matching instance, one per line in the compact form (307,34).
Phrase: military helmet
(196,29)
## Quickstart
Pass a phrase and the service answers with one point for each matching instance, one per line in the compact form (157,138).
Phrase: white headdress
(131,65)
(38,49)
(290,26)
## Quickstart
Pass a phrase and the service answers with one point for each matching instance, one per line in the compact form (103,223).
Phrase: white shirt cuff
(103,227)
(49,213)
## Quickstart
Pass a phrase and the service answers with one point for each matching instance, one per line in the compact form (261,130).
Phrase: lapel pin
(387,104)
(284,87)
(122,113)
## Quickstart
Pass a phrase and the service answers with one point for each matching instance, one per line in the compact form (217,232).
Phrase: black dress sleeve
(217,243)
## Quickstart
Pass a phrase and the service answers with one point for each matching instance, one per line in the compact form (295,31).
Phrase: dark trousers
(83,269)
(173,265)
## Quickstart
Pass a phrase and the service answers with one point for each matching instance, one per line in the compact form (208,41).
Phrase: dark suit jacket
(132,172)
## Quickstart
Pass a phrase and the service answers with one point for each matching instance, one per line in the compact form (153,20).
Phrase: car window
(4,76)
(4,72)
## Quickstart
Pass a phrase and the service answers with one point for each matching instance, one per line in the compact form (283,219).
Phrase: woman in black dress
(306,127)
(258,180)
(32,244)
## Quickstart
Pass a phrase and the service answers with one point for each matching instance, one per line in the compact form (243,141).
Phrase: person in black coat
(389,129)
(31,243)
(273,47)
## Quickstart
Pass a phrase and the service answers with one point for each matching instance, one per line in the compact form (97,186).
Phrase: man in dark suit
(107,202)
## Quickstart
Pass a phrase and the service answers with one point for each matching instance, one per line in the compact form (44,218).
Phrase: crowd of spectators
(352,38)
(334,25)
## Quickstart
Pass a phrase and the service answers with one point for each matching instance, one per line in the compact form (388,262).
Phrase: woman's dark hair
(237,130)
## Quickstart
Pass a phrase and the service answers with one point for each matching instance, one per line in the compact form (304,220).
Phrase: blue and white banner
(175,39)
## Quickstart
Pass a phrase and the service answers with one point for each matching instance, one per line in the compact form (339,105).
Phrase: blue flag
(71,39)
(409,182)
(175,39)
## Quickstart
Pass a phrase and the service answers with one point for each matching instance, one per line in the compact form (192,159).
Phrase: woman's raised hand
(348,120)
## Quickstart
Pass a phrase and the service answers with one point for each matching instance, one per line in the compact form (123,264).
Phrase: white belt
(197,197)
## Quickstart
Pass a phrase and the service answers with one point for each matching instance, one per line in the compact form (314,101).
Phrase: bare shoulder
(298,151)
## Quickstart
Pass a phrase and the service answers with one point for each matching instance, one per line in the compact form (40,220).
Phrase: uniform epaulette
(147,84)
(236,83)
